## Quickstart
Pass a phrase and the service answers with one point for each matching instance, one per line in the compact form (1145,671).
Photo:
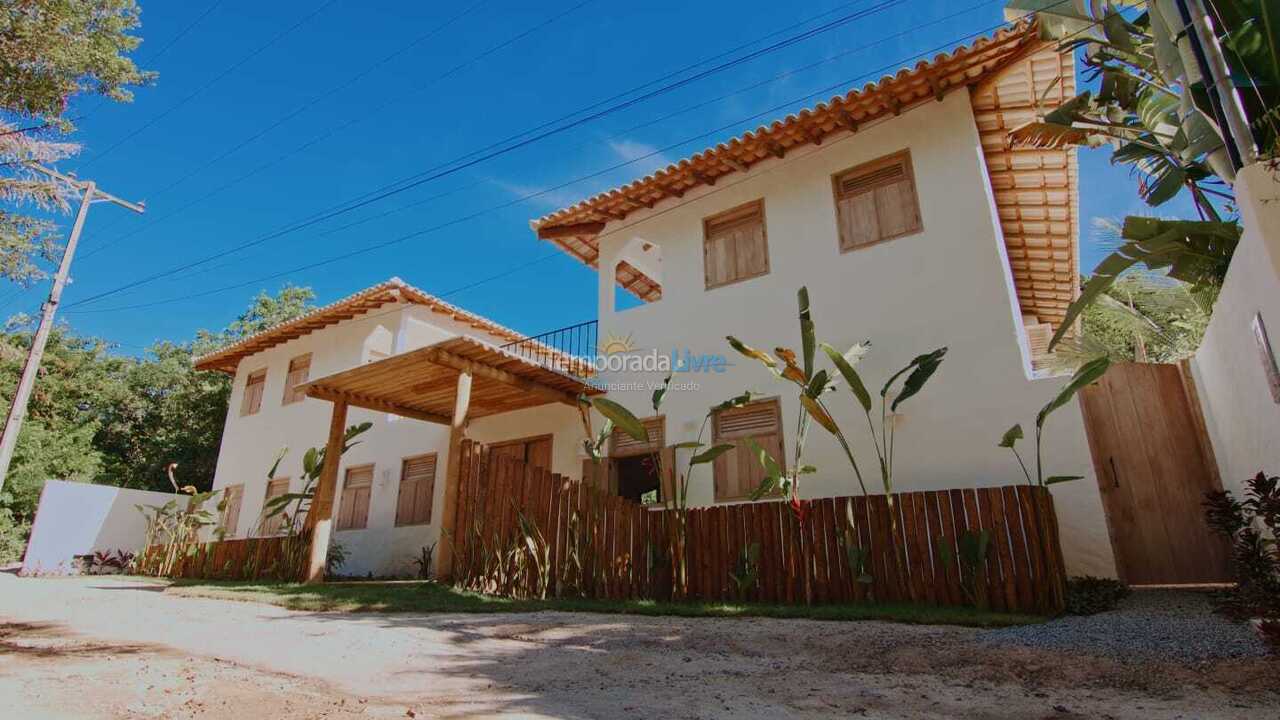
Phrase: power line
(218,78)
(184,31)
(281,121)
(377,111)
(780,76)
(524,198)
(449,167)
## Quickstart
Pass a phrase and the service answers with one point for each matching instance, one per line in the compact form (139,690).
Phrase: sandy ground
(118,648)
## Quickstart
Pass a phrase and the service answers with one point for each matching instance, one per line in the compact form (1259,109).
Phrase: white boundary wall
(1240,413)
(79,518)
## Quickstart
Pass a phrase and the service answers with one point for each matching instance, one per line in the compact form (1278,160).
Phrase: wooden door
(534,452)
(1154,467)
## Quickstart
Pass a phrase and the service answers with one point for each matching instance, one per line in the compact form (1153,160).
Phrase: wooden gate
(1154,465)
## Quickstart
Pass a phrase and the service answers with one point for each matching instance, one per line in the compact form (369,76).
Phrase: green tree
(99,417)
(50,52)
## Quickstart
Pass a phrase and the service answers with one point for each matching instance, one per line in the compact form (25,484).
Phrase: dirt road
(120,648)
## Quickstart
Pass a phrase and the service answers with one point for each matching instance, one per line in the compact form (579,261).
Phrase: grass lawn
(426,597)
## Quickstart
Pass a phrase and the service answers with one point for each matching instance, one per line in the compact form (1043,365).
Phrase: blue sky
(236,141)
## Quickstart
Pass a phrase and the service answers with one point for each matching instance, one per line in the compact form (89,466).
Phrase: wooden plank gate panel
(1153,470)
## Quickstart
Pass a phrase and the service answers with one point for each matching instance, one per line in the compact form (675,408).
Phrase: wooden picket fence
(577,540)
(266,558)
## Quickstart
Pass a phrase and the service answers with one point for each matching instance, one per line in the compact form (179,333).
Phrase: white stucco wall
(250,444)
(80,519)
(948,285)
(1240,413)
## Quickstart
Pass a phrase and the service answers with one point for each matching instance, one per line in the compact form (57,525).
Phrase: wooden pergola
(449,383)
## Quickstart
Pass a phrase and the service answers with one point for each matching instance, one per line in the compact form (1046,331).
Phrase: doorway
(638,479)
(1154,465)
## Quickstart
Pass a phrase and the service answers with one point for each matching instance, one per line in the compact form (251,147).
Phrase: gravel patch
(1174,625)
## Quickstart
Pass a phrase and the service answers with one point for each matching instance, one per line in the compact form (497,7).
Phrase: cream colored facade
(947,285)
(1241,413)
(251,443)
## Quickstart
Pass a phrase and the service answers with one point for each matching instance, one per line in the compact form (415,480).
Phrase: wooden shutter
(735,246)
(623,445)
(232,496)
(299,371)
(353,511)
(273,525)
(738,472)
(877,201)
(253,386)
(417,489)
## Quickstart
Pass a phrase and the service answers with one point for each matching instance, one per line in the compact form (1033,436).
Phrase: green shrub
(1087,595)
(13,537)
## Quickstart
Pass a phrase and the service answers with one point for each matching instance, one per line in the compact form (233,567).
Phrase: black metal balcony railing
(568,349)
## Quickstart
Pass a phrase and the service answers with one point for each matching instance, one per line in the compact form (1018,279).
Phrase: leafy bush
(1088,595)
(1252,526)
(13,537)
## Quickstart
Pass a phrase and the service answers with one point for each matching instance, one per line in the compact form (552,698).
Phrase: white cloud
(646,157)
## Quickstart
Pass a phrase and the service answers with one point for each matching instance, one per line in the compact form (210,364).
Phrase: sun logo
(614,345)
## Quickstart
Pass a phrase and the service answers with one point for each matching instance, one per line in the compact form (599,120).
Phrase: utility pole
(1222,92)
(89,193)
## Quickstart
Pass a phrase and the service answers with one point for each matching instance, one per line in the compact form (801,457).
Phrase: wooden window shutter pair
(232,495)
(353,509)
(877,201)
(734,245)
(738,472)
(253,387)
(273,525)
(299,371)
(417,489)
(623,445)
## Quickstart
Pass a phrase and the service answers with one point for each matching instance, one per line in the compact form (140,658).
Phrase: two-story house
(914,225)
(389,499)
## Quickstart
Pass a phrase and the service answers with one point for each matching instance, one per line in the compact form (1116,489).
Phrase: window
(231,497)
(633,472)
(738,472)
(734,245)
(877,201)
(253,387)
(273,525)
(417,488)
(299,370)
(621,444)
(353,506)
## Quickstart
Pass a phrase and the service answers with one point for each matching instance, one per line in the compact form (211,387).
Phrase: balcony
(568,349)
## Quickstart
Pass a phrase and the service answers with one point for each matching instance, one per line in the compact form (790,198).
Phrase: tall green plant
(1085,375)
(812,384)
(293,506)
(674,494)
(1153,107)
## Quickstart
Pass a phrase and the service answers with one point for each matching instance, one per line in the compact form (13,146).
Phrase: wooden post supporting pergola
(320,515)
(449,383)
(453,469)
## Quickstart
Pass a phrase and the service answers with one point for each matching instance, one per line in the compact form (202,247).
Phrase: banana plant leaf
(850,376)
(1086,375)
(1196,252)
(621,418)
(807,335)
(925,366)
(1011,436)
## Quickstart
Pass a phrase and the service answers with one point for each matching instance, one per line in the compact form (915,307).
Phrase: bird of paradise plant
(812,384)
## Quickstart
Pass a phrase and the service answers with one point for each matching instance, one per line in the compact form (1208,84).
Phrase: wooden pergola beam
(375,404)
(469,367)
